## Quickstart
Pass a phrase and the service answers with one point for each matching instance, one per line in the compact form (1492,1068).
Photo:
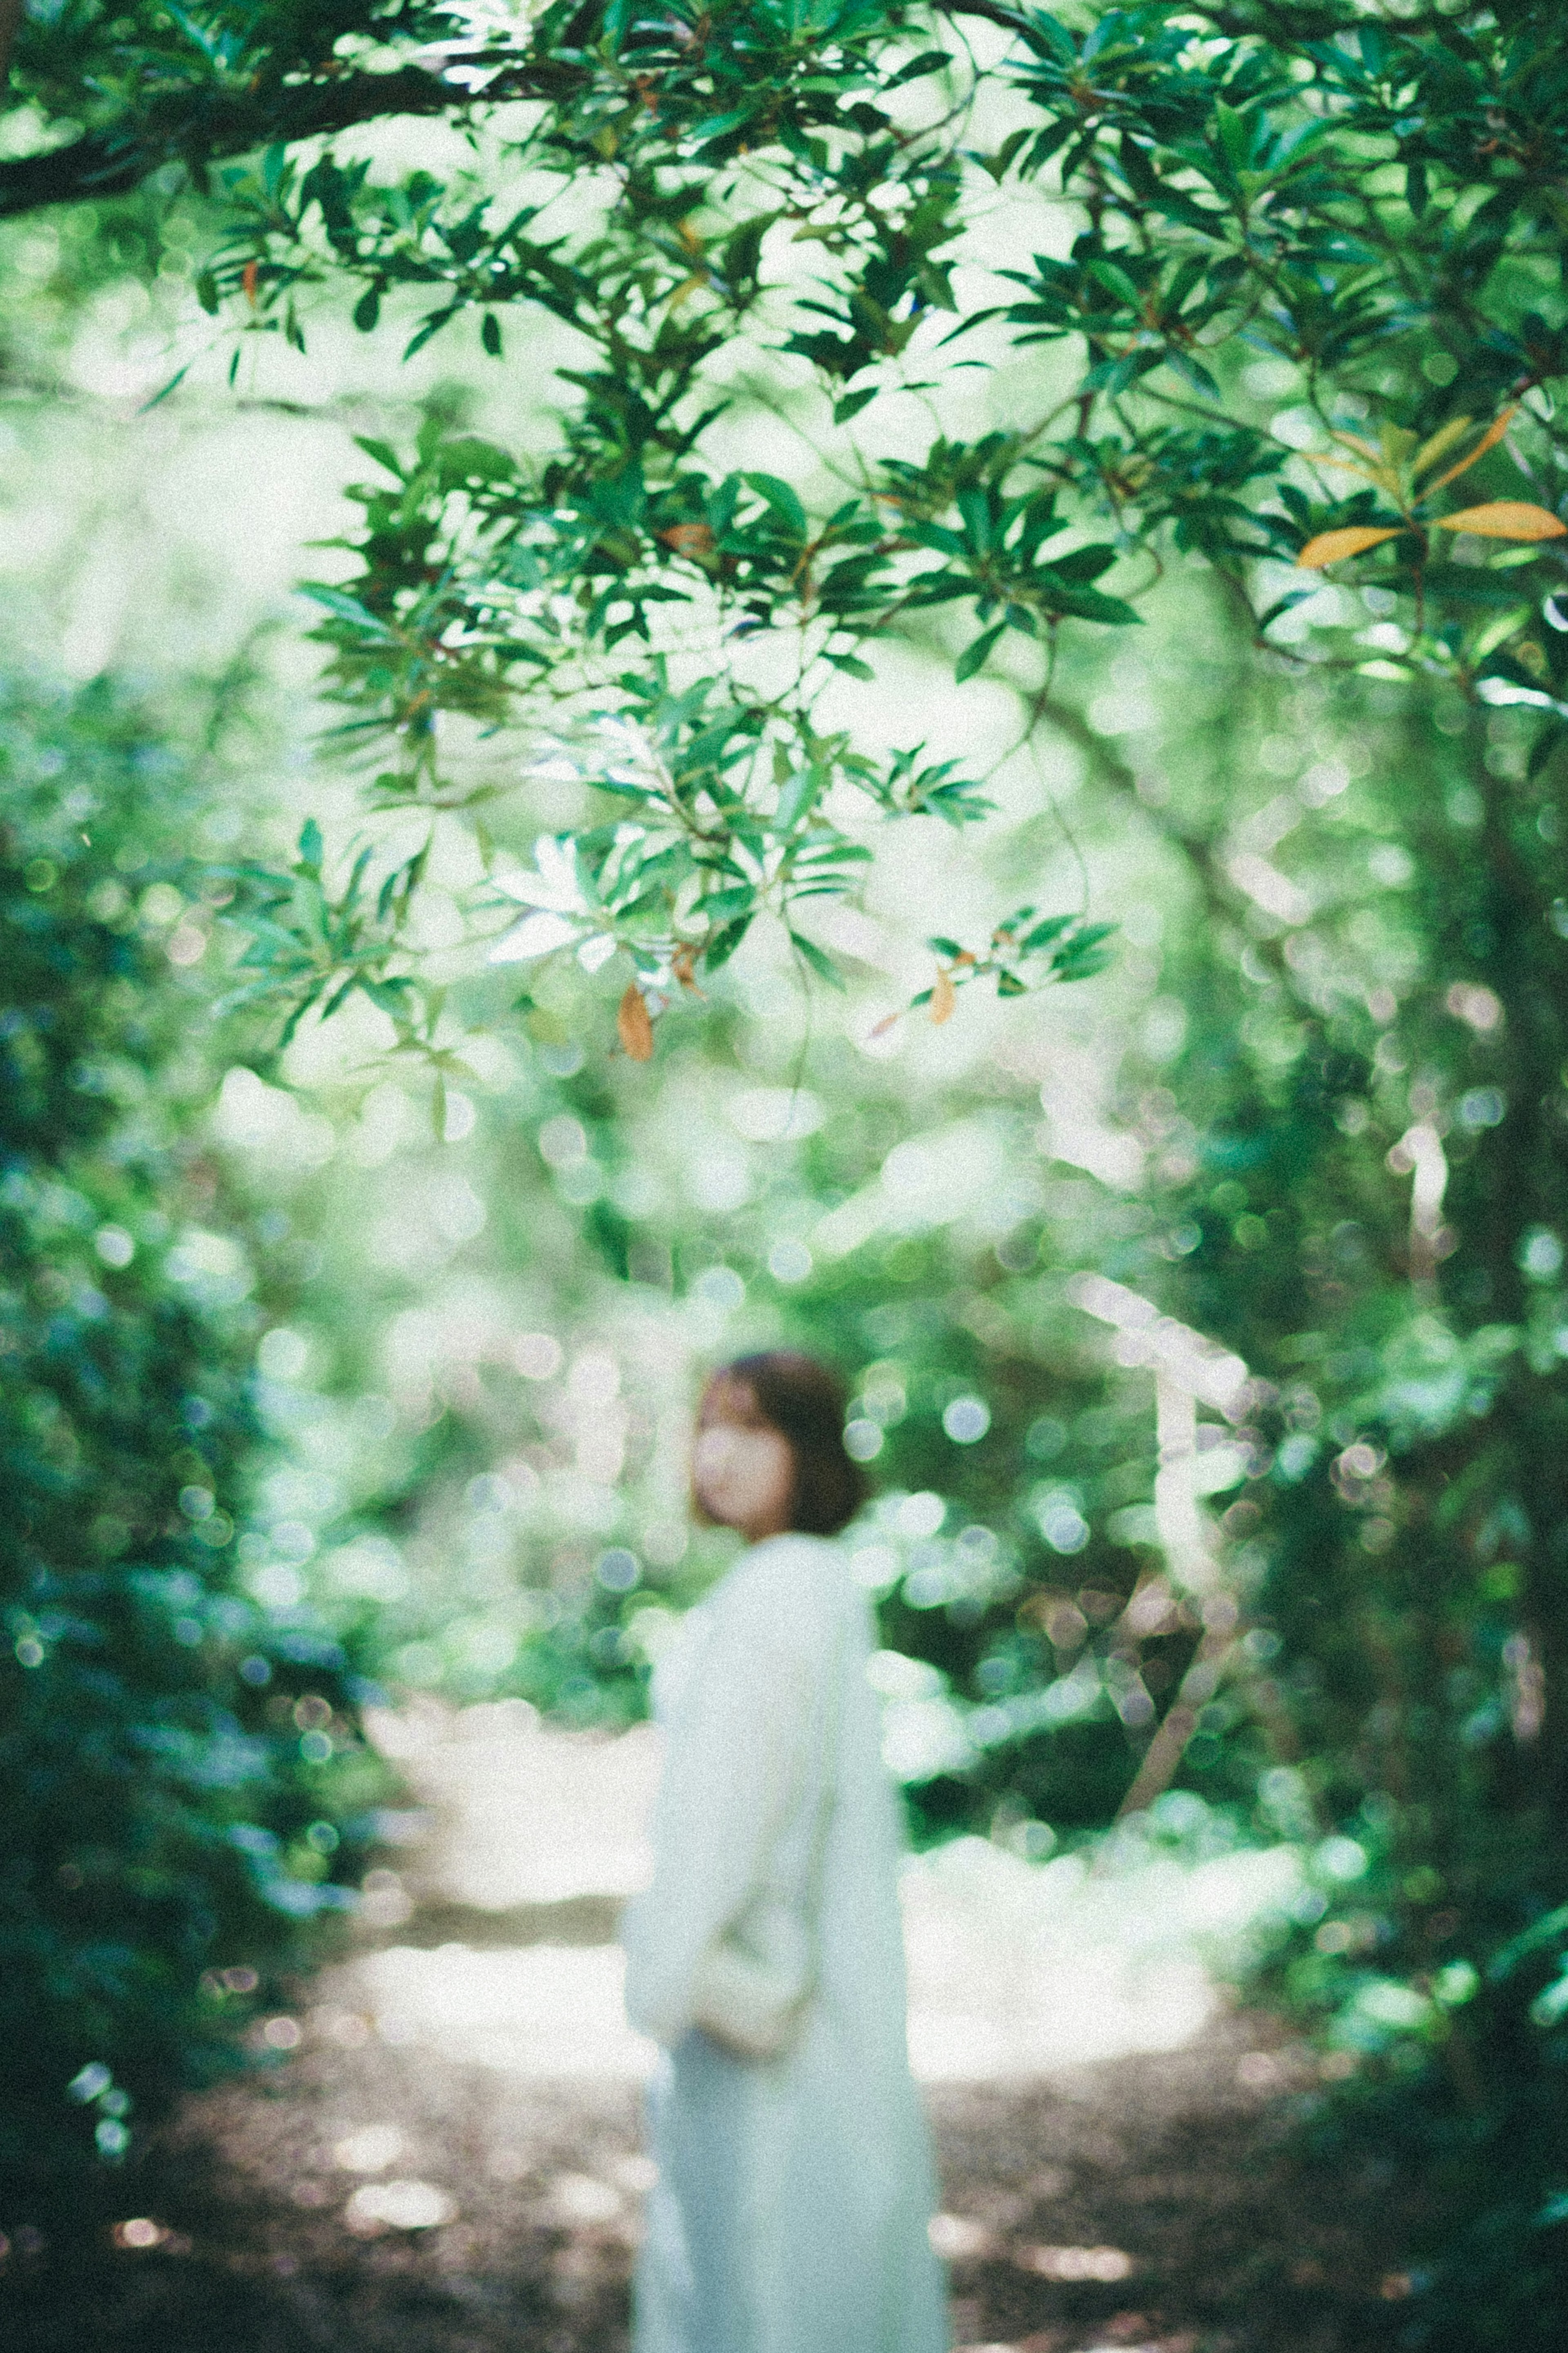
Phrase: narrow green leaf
(346,608)
(781,500)
(818,961)
(164,390)
(973,656)
(853,402)
(929,61)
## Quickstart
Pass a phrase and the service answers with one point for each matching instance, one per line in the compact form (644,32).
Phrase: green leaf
(973,656)
(798,794)
(346,608)
(996,165)
(165,389)
(817,960)
(719,948)
(929,61)
(781,500)
(722,905)
(853,402)
(1090,604)
(381,451)
(434,323)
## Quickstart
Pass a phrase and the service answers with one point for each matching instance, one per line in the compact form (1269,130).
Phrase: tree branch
(10,24)
(203,126)
(200,126)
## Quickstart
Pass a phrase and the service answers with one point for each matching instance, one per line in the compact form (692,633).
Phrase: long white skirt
(790,2212)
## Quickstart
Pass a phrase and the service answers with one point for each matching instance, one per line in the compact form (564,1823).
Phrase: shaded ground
(450,2162)
(1158,2168)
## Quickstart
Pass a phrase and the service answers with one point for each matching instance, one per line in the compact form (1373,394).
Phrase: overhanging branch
(204,126)
(10,24)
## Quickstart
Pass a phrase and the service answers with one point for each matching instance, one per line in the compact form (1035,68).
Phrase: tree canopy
(833,212)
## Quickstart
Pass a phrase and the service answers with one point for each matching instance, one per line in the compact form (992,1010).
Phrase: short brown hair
(805,1402)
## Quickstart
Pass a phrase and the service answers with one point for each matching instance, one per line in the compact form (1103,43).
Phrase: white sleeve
(734,1766)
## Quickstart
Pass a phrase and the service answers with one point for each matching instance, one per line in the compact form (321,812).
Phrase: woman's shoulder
(791,1569)
(793,1554)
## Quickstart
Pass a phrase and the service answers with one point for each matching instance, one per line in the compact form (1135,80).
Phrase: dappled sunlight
(547,2010)
(1016,1968)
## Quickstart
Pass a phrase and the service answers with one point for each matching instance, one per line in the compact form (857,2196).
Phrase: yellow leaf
(1505,519)
(1440,443)
(634,1024)
(1489,441)
(1378,476)
(944,997)
(1332,546)
(1386,479)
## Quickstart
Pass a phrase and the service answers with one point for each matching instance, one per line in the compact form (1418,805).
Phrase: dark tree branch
(206,125)
(10,23)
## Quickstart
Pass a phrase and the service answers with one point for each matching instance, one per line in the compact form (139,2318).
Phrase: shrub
(187,1793)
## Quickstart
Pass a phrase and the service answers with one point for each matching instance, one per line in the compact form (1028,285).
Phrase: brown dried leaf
(1332,546)
(1505,519)
(688,538)
(634,1024)
(944,997)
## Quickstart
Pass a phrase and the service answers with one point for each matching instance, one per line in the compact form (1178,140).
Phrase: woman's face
(743,1470)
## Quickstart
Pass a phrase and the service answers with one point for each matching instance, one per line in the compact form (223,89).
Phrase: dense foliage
(1371,201)
(186,1790)
(1107,336)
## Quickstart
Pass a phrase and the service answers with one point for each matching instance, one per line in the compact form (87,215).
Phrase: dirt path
(450,2161)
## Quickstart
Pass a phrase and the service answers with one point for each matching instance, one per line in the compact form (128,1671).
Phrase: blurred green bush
(188,1795)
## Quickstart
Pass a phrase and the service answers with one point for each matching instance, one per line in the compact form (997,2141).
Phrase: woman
(794,2188)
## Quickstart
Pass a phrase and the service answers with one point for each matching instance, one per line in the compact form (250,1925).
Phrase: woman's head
(770,1455)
